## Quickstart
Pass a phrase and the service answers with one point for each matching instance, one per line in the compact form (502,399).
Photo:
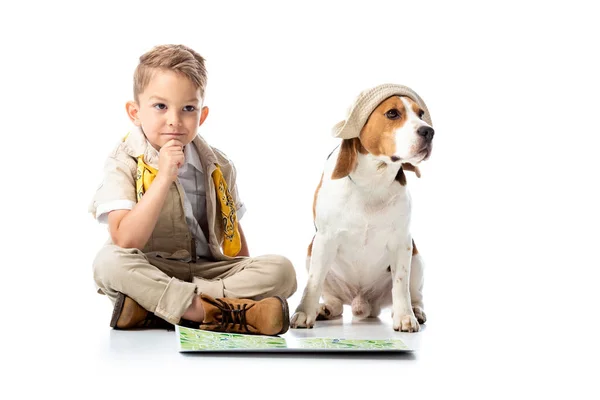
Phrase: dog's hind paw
(300,320)
(420,315)
(327,311)
(406,323)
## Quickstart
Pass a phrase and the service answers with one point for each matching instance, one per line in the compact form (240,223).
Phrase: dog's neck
(375,175)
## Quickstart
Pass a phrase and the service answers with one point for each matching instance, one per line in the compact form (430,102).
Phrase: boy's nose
(174,120)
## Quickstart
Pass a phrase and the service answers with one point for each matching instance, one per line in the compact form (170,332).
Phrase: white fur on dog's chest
(369,225)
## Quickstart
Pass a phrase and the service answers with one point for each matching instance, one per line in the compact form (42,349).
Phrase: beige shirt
(189,215)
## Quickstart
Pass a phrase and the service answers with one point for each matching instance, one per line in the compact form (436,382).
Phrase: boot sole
(286,315)
(117,310)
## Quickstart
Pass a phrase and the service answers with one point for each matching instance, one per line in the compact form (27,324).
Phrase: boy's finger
(173,142)
(175,150)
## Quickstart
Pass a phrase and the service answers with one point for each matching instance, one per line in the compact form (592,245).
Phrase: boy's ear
(132,112)
(203,115)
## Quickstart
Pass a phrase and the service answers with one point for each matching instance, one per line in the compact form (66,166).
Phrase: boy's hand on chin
(170,159)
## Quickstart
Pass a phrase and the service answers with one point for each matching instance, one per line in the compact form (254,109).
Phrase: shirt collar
(136,144)
(192,157)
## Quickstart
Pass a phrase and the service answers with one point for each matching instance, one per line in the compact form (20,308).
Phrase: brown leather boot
(128,314)
(269,316)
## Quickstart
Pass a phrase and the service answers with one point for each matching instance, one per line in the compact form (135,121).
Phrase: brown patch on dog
(415,251)
(315,198)
(400,177)
(414,106)
(359,147)
(410,167)
(309,253)
(377,136)
(347,158)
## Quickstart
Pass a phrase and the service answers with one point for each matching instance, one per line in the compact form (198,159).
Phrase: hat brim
(368,101)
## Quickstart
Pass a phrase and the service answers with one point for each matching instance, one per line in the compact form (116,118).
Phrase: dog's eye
(421,113)
(393,114)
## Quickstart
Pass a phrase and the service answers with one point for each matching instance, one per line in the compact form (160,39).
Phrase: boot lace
(232,315)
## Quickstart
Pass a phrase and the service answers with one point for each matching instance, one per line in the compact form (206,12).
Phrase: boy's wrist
(162,180)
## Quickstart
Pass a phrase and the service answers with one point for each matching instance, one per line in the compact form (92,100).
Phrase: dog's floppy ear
(410,167)
(347,158)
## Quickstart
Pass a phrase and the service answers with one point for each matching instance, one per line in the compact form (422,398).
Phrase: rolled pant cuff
(175,300)
(213,288)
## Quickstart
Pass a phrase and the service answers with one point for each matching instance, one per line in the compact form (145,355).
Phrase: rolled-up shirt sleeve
(103,209)
(117,190)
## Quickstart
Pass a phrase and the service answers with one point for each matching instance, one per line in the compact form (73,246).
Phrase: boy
(177,253)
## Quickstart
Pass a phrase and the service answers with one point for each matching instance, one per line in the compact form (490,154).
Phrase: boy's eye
(189,108)
(160,106)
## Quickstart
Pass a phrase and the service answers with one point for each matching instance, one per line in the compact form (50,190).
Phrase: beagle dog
(362,253)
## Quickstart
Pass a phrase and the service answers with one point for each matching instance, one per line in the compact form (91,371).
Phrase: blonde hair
(174,57)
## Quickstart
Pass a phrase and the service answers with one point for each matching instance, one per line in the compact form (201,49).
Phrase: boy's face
(169,108)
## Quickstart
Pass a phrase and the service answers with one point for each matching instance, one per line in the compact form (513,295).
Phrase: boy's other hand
(170,159)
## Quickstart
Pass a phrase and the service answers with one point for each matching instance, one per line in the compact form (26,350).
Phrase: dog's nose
(427,132)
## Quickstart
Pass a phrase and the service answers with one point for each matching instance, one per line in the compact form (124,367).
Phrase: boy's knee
(108,265)
(284,274)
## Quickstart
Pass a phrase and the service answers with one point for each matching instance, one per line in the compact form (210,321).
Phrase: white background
(506,213)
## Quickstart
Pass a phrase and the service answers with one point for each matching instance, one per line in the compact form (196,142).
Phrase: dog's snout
(427,132)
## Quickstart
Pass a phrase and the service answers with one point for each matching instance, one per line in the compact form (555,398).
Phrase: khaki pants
(166,286)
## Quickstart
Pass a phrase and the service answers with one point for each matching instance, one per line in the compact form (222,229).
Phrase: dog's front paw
(301,320)
(405,323)
(420,314)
